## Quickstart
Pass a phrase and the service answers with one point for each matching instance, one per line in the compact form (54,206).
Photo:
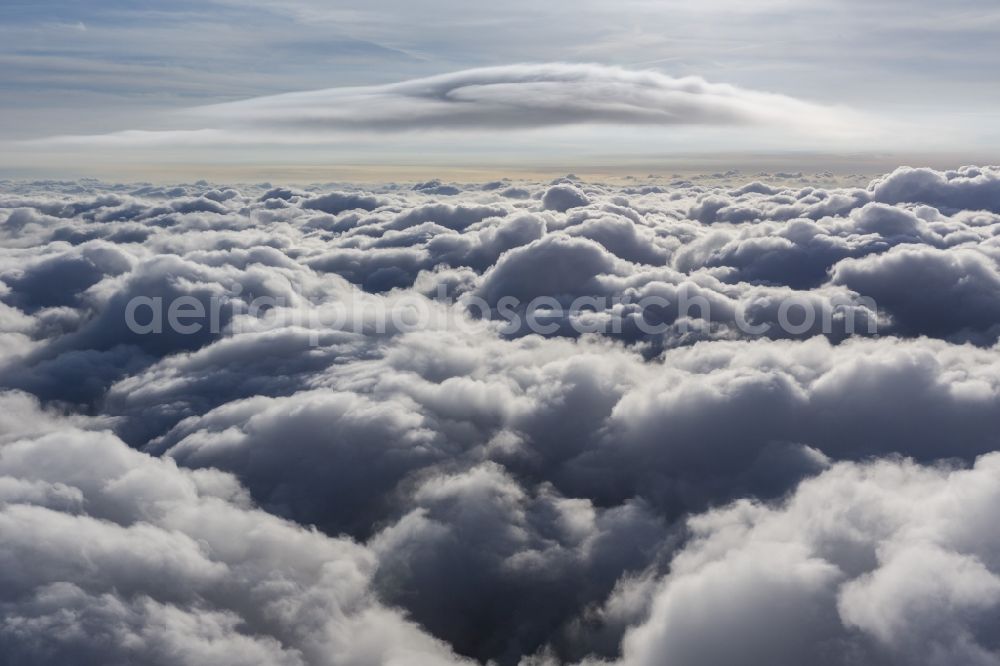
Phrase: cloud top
(665,473)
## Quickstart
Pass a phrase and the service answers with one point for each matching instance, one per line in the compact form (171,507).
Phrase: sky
(881,82)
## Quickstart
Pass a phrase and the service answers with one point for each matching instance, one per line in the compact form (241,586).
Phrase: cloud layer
(312,481)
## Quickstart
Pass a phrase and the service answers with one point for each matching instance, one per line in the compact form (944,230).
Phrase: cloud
(520,96)
(956,294)
(507,97)
(563,197)
(369,466)
(113,556)
(881,563)
(966,188)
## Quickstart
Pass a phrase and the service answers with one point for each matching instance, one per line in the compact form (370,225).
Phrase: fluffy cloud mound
(882,563)
(113,556)
(693,421)
(965,188)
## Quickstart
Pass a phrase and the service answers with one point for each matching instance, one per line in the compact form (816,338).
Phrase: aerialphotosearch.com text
(360,312)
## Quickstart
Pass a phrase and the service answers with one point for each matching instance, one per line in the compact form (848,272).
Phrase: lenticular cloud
(490,98)
(520,96)
(692,422)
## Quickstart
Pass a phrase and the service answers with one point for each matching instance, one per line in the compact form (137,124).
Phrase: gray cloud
(520,96)
(882,563)
(503,97)
(111,556)
(968,188)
